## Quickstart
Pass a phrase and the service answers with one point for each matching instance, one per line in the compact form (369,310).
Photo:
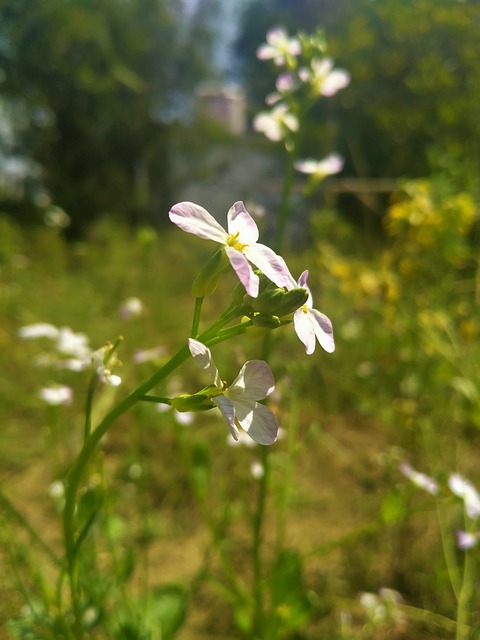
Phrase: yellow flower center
(232,241)
(304,308)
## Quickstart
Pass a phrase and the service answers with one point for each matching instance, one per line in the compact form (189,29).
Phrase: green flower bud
(291,301)
(265,321)
(207,280)
(196,402)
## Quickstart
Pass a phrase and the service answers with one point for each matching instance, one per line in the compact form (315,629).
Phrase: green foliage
(96,82)
(413,66)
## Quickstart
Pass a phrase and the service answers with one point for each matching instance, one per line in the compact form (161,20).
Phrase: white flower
(465,490)
(466,540)
(70,343)
(239,402)
(279,46)
(131,308)
(333,163)
(420,480)
(240,242)
(323,78)
(56,395)
(96,360)
(309,323)
(277,123)
(38,330)
(257,470)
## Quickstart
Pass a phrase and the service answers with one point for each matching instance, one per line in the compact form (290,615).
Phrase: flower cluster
(306,74)
(70,350)
(268,296)
(461,488)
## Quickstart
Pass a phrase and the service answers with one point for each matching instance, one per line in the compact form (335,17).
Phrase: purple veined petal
(203,358)
(271,264)
(255,381)
(323,330)
(304,329)
(244,271)
(241,222)
(257,420)
(228,412)
(302,283)
(193,218)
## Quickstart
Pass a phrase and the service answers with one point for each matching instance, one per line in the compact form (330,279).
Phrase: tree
(99,81)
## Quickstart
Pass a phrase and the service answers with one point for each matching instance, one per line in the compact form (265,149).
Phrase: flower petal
(323,330)
(228,411)
(241,222)
(255,381)
(194,219)
(271,264)
(257,420)
(244,271)
(203,357)
(304,329)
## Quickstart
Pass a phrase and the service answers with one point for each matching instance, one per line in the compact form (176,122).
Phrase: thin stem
(196,317)
(465,596)
(88,407)
(156,399)
(89,447)
(258,522)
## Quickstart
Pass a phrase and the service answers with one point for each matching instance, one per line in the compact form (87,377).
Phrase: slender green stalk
(196,317)
(75,475)
(89,406)
(462,631)
(258,522)
(285,202)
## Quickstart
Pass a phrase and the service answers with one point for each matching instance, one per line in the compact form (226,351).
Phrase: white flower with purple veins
(240,242)
(419,479)
(465,490)
(279,46)
(239,402)
(323,78)
(310,324)
(333,163)
(277,123)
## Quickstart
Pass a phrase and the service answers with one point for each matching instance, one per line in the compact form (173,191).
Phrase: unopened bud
(207,280)
(195,402)
(291,301)
(265,321)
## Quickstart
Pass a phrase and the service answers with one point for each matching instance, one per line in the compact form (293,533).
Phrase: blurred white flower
(146,355)
(96,360)
(243,440)
(131,308)
(420,480)
(465,490)
(257,470)
(323,78)
(466,540)
(38,330)
(56,218)
(56,395)
(70,343)
(279,46)
(185,418)
(330,165)
(277,123)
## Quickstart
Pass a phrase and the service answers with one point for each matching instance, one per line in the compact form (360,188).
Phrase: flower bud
(196,402)
(277,301)
(265,321)
(207,280)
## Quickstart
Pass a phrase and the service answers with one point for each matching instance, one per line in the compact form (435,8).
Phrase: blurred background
(111,111)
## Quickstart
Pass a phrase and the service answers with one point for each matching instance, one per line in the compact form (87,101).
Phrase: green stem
(258,521)
(89,406)
(196,317)
(156,399)
(462,631)
(285,202)
(89,447)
